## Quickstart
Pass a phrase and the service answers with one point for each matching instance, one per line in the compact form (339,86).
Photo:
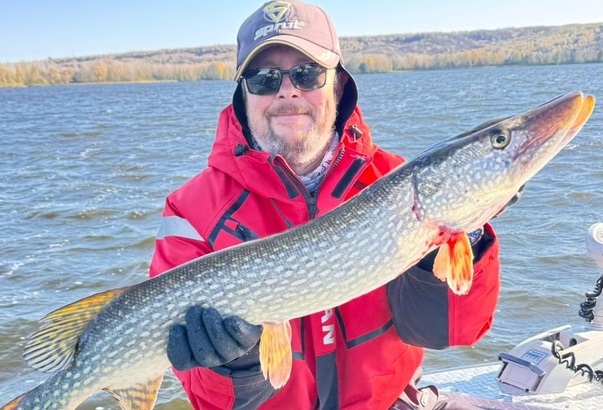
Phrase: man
(292,146)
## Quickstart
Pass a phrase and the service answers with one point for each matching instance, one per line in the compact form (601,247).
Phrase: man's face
(296,124)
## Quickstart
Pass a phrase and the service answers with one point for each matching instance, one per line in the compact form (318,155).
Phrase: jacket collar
(255,170)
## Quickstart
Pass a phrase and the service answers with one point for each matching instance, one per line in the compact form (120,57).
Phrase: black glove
(207,340)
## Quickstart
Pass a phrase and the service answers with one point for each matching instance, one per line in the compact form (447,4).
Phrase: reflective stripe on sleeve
(176,226)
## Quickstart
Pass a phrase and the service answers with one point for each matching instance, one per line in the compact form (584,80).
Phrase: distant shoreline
(91,83)
(230,79)
(550,45)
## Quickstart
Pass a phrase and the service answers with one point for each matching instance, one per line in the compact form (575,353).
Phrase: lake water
(84,171)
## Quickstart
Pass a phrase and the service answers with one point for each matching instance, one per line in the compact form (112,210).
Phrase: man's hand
(207,340)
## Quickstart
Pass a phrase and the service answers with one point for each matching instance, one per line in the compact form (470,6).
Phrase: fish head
(464,181)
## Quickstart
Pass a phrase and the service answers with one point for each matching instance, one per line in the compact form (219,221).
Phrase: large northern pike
(116,340)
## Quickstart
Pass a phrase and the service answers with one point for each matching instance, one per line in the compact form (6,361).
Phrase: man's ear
(340,82)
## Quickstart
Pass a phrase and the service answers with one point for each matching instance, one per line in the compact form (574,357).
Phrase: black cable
(587,307)
(569,360)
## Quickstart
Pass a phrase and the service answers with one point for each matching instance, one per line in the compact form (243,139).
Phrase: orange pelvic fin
(141,396)
(454,263)
(14,403)
(276,357)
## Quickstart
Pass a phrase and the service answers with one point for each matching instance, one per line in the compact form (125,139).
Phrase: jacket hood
(254,169)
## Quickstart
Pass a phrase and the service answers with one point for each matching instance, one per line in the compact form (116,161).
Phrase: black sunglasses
(304,77)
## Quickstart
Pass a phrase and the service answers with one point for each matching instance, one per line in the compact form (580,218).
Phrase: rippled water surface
(84,171)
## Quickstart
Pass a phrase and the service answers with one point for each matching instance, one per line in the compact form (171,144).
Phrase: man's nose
(287,90)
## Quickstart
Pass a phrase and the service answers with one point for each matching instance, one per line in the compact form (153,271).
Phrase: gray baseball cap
(305,27)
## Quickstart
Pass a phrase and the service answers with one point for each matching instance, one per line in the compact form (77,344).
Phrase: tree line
(50,72)
(474,58)
(570,44)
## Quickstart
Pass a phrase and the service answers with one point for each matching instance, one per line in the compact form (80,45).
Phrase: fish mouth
(552,125)
(587,108)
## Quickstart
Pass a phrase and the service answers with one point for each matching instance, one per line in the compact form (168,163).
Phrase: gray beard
(301,152)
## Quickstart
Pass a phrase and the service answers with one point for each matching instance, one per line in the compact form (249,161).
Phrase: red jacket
(360,355)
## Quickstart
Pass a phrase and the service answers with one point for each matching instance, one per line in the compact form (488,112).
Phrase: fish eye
(500,139)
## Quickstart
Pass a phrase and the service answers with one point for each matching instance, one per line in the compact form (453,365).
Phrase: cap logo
(276,13)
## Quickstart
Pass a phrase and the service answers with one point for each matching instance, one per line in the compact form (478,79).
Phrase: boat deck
(478,385)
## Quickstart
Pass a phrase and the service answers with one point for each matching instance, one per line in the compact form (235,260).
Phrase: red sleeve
(177,242)
(426,313)
(207,389)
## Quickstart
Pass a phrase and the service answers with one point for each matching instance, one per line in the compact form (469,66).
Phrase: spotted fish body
(116,341)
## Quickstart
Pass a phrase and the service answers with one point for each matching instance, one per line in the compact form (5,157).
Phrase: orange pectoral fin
(442,262)
(276,357)
(454,263)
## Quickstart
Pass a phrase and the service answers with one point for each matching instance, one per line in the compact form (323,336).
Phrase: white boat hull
(478,385)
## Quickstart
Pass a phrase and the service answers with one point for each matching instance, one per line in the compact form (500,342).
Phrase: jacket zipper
(331,167)
(308,197)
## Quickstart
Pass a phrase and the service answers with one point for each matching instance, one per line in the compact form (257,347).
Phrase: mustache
(289,109)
